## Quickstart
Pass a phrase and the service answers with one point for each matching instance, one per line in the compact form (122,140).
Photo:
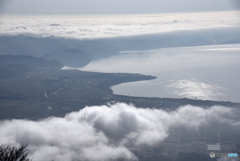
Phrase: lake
(199,72)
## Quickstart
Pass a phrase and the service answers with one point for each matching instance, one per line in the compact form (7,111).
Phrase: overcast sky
(114,6)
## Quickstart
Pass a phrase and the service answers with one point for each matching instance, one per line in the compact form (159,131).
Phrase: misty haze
(110,81)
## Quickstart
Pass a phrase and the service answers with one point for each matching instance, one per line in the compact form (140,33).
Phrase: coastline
(73,90)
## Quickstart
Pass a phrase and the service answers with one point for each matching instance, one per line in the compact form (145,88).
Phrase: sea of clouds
(99,26)
(102,133)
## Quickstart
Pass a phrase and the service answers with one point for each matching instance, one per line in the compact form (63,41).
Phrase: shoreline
(73,90)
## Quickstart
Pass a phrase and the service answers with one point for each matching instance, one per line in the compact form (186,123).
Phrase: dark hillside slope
(6,73)
(30,61)
(13,65)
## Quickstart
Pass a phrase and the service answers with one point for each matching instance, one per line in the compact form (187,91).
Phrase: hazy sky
(113,6)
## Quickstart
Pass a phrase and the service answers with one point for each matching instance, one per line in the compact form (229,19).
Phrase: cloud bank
(95,26)
(107,132)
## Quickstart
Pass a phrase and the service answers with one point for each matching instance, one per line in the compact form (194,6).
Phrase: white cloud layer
(94,26)
(102,133)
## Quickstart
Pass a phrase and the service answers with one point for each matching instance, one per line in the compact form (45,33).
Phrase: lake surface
(203,72)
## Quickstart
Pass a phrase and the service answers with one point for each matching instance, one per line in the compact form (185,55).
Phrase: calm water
(205,72)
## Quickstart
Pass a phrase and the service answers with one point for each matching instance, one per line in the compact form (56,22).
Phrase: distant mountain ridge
(69,57)
(107,47)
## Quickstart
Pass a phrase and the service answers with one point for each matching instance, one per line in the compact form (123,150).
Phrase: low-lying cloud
(82,27)
(107,132)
